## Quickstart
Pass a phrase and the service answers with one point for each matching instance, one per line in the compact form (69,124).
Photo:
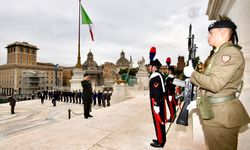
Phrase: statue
(141,64)
(142,75)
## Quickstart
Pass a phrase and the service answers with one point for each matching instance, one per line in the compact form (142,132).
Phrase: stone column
(239,13)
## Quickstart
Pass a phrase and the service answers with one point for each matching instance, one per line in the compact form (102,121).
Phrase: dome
(90,63)
(122,61)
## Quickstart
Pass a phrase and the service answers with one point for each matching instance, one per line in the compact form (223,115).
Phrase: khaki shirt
(222,78)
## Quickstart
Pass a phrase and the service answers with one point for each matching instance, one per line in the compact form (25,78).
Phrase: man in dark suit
(86,95)
(12,100)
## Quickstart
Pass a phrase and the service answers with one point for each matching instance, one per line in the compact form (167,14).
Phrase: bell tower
(21,53)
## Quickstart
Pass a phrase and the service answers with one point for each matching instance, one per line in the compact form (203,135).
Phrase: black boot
(158,145)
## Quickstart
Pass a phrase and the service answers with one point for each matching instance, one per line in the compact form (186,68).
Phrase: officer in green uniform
(220,83)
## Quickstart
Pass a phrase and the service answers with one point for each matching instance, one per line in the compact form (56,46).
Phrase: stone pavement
(125,125)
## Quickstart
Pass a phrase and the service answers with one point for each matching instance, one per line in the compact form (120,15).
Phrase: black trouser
(86,107)
(53,101)
(12,109)
(80,99)
(99,101)
(108,102)
(94,99)
(42,100)
(76,99)
(104,102)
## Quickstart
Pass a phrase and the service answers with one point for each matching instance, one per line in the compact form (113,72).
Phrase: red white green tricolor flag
(87,20)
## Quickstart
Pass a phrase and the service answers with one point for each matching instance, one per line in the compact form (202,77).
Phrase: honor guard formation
(213,89)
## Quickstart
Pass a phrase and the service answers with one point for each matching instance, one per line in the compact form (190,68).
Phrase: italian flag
(87,20)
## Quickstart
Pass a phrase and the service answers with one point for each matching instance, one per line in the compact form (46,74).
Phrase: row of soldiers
(100,98)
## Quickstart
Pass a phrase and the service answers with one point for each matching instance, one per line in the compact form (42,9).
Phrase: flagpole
(78,65)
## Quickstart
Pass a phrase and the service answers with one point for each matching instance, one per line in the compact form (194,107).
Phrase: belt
(215,100)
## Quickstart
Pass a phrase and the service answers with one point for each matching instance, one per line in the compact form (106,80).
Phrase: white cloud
(132,26)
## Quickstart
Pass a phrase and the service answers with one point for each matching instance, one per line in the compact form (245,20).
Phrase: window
(21,49)
(27,50)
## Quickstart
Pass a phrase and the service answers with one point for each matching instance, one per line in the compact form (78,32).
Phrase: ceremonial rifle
(188,92)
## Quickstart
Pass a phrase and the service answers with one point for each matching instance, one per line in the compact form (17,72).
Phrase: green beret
(223,24)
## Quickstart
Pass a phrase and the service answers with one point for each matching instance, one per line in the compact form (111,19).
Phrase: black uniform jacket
(156,87)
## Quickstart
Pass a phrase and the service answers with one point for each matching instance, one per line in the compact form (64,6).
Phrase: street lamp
(56,78)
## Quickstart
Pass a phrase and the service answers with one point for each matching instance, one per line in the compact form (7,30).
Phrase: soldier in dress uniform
(86,95)
(70,96)
(77,95)
(94,95)
(99,97)
(80,96)
(42,97)
(73,96)
(157,90)
(109,93)
(220,82)
(46,94)
(67,96)
(104,98)
(170,94)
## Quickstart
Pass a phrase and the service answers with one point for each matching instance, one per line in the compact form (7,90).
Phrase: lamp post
(56,78)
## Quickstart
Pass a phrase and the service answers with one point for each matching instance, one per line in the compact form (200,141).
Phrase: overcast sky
(129,25)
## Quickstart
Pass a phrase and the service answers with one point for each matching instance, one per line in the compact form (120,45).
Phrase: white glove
(192,105)
(188,70)
(170,98)
(156,109)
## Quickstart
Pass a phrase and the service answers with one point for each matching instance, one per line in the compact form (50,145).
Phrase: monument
(75,82)
(142,75)
(93,70)
(121,89)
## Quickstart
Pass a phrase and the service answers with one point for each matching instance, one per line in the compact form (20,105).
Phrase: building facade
(109,73)
(180,63)
(32,81)
(22,57)
(67,75)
